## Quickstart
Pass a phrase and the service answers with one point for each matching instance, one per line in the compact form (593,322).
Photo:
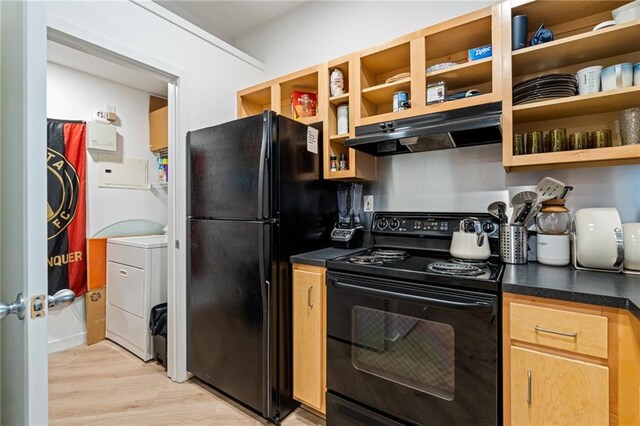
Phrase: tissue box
(480,52)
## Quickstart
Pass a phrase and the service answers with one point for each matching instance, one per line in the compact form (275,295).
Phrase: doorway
(120,66)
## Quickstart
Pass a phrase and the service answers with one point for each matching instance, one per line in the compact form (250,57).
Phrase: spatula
(549,188)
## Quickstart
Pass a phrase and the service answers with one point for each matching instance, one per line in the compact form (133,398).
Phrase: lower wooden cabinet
(567,363)
(548,389)
(309,336)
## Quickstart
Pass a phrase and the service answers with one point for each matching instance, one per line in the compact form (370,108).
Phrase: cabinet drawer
(127,255)
(125,288)
(571,331)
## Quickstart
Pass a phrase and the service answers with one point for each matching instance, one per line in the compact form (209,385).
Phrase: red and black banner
(66,206)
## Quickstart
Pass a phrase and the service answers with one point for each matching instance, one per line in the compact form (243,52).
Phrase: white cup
(636,74)
(617,76)
(589,80)
(343,119)
(631,235)
(553,249)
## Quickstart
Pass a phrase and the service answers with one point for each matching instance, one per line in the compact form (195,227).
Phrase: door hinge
(37,306)
(177,244)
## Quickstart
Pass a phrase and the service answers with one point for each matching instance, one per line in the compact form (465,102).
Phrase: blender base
(347,238)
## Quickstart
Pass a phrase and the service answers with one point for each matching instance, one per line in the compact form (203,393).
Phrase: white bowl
(628,12)
(604,24)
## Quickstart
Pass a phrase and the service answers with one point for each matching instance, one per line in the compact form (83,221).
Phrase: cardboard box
(95,308)
(96,263)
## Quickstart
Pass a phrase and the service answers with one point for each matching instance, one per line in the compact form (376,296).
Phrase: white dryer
(136,281)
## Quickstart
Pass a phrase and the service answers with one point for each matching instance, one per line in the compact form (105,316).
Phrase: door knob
(61,299)
(17,307)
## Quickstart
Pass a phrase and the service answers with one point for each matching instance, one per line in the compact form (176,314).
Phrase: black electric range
(415,247)
(412,334)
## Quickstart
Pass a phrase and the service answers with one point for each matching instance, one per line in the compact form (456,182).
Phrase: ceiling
(127,76)
(229,20)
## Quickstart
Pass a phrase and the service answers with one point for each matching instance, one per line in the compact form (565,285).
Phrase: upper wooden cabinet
(575,46)
(158,124)
(374,75)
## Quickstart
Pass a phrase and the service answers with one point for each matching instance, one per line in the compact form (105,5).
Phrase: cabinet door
(548,389)
(309,336)
(158,129)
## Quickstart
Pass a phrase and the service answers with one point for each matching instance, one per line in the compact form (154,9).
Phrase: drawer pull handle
(559,333)
(309,297)
(528,386)
(123,273)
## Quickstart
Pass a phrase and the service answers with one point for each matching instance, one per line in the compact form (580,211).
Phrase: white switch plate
(368,203)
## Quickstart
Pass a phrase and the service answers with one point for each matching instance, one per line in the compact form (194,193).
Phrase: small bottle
(165,166)
(161,171)
(336,83)
(343,162)
(333,163)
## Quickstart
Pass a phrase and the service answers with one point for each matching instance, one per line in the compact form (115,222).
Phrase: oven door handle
(468,306)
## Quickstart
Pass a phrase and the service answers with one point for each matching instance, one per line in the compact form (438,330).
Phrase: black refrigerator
(256,197)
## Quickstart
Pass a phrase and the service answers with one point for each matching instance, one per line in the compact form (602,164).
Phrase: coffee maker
(347,232)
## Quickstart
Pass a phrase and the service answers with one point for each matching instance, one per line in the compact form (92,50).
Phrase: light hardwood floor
(104,384)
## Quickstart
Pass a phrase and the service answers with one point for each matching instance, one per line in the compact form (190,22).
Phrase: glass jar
(553,218)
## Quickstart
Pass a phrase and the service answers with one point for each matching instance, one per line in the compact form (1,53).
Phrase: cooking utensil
(566,191)
(497,209)
(519,202)
(524,212)
(549,188)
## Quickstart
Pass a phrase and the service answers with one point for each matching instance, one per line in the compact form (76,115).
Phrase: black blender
(347,233)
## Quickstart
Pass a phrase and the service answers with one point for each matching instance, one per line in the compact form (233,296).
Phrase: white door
(23,216)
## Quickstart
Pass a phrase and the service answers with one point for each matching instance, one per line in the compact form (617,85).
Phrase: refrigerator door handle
(264,156)
(265,286)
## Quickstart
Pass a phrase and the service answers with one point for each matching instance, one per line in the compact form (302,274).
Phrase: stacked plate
(548,86)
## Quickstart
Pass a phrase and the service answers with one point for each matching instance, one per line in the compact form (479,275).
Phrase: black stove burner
(390,255)
(365,259)
(464,269)
(478,263)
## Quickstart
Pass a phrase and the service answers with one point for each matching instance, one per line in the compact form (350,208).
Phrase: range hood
(476,125)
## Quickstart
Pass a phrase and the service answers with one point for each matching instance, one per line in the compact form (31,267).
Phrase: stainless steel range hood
(476,125)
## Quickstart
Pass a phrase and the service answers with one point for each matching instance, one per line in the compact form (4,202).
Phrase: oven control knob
(382,223)
(394,223)
(489,227)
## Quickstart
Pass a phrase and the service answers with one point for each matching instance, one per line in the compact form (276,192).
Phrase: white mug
(589,80)
(631,235)
(617,76)
(636,74)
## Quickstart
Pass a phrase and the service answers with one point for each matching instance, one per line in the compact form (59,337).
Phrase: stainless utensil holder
(513,244)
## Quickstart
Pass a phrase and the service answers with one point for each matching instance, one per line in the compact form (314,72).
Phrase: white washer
(136,282)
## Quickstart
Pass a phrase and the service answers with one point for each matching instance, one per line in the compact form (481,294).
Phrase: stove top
(414,247)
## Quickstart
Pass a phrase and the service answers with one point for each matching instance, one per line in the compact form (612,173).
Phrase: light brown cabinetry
(575,47)
(550,389)
(158,124)
(309,336)
(569,363)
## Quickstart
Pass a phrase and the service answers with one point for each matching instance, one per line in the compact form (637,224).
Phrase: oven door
(421,354)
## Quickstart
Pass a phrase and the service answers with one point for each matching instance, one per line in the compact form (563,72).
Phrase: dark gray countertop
(320,257)
(567,283)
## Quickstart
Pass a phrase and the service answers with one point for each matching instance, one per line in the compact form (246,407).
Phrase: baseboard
(67,342)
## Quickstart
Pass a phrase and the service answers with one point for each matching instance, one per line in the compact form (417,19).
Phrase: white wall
(210,78)
(323,30)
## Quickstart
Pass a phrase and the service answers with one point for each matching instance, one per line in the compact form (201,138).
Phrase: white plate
(604,24)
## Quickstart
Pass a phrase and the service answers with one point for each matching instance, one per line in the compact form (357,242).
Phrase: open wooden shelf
(254,102)
(464,75)
(617,155)
(339,100)
(612,41)
(383,93)
(613,100)
(339,138)
(310,120)
(460,103)
(452,44)
(377,67)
